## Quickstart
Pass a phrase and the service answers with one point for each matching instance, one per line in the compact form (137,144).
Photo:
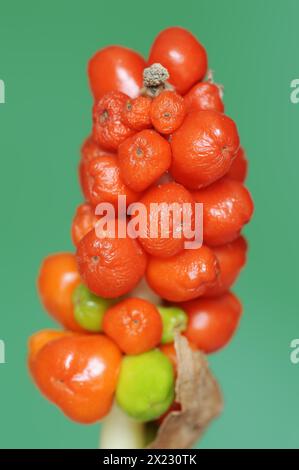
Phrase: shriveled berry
(203,148)
(184,276)
(143,158)
(167,112)
(84,221)
(104,182)
(227,207)
(110,265)
(109,129)
(136,113)
(89,151)
(164,229)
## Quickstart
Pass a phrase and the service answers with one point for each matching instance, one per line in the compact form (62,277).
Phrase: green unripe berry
(89,308)
(145,387)
(174,320)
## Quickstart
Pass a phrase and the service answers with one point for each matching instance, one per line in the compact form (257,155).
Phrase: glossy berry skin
(115,68)
(104,183)
(79,374)
(239,167)
(184,276)
(58,277)
(163,243)
(227,207)
(167,112)
(204,96)
(212,322)
(136,113)
(110,266)
(83,221)
(109,129)
(183,56)
(203,148)
(134,324)
(231,258)
(89,151)
(39,339)
(89,309)
(143,158)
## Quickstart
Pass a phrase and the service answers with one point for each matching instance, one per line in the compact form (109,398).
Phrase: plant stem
(121,432)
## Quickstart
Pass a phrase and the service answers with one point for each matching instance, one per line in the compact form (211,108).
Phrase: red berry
(143,158)
(183,56)
(231,258)
(136,113)
(167,112)
(204,96)
(115,68)
(103,182)
(238,170)
(227,207)
(109,129)
(212,322)
(203,148)
(110,266)
(89,151)
(84,221)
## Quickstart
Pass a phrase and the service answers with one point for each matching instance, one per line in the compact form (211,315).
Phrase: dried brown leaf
(199,395)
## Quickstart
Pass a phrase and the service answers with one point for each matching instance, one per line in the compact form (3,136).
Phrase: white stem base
(121,432)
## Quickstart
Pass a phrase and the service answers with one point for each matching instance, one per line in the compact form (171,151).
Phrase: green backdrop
(252,46)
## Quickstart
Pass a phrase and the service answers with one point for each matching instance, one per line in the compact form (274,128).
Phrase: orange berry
(109,130)
(105,183)
(238,169)
(167,112)
(110,266)
(79,374)
(84,221)
(231,258)
(143,158)
(184,276)
(169,238)
(227,207)
(136,113)
(203,96)
(89,151)
(39,339)
(134,324)
(58,277)
(203,148)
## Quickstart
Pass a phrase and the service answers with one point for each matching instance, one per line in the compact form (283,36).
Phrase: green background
(252,46)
